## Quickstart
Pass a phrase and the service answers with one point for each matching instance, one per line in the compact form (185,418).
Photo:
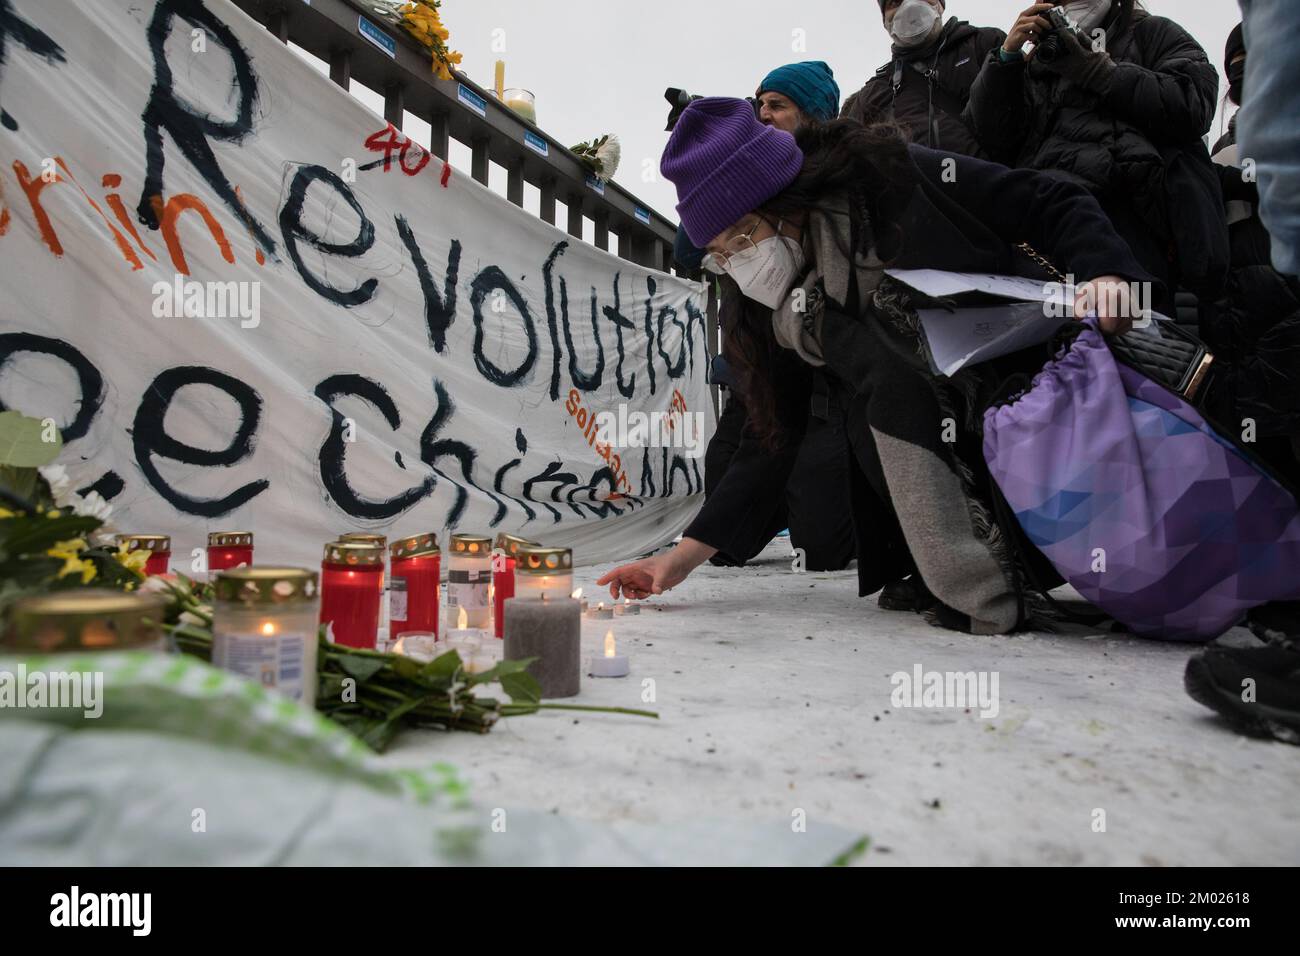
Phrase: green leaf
(362,668)
(22,483)
(523,688)
(22,441)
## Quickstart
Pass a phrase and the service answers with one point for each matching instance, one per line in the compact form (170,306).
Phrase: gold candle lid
(534,559)
(511,543)
(365,537)
(358,553)
(473,544)
(89,619)
(144,542)
(415,546)
(230,539)
(265,585)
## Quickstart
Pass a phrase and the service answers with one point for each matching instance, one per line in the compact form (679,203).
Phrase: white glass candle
(264,626)
(469,574)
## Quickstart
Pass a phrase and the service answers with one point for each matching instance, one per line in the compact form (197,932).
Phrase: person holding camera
(801,229)
(925,86)
(1117,100)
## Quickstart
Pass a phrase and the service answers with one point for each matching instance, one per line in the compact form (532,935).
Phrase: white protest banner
(249,303)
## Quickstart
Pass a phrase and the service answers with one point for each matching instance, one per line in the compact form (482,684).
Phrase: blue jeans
(1268,127)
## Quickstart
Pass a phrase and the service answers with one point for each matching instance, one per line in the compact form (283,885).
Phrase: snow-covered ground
(774,693)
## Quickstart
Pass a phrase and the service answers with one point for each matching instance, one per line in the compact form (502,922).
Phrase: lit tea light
(612,663)
(627,607)
(419,646)
(464,636)
(582,601)
(600,611)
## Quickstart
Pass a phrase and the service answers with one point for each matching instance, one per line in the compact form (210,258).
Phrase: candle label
(467,589)
(274,662)
(397,599)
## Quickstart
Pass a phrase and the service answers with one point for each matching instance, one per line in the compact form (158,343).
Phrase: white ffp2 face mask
(766,273)
(913,22)
(1087,13)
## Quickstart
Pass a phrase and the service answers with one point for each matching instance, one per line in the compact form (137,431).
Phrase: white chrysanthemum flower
(608,154)
(56,476)
(92,505)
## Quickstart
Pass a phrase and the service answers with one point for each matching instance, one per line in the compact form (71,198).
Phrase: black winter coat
(963,223)
(952,62)
(1137,140)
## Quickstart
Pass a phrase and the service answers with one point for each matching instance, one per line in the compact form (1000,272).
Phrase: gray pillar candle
(551,631)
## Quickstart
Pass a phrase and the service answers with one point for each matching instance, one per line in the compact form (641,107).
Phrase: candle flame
(609,644)
(268,629)
(577,594)
(462,620)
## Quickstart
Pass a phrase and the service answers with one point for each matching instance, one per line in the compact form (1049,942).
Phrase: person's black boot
(908,594)
(1277,622)
(1257,689)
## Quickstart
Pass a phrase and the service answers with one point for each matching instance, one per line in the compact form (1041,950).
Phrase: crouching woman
(802,228)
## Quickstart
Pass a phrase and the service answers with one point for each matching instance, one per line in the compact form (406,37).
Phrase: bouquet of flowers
(422,20)
(601,155)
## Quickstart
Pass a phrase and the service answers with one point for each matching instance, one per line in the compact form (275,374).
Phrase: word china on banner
(246,301)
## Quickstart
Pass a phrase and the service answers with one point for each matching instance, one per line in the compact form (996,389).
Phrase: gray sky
(602,67)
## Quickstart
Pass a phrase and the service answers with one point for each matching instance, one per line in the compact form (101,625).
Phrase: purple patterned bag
(1148,513)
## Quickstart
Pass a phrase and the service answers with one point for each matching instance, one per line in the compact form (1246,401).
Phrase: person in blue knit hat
(791,95)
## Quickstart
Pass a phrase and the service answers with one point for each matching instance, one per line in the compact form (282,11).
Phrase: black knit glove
(1081,65)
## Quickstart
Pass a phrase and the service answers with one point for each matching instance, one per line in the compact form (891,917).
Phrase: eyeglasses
(741,245)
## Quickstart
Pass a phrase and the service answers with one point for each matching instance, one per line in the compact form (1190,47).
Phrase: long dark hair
(870,168)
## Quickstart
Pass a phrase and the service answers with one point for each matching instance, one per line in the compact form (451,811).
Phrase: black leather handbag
(1164,352)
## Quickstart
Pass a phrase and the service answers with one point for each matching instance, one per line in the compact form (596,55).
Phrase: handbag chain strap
(1043,261)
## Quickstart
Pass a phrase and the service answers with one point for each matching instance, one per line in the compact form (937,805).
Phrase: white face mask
(913,22)
(1087,13)
(766,272)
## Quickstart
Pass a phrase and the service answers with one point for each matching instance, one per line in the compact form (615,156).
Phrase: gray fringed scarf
(797,322)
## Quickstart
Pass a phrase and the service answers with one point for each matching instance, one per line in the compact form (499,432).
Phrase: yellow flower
(132,560)
(69,552)
(6,513)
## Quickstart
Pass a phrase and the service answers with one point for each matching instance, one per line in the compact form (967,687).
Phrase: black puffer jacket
(954,59)
(1136,139)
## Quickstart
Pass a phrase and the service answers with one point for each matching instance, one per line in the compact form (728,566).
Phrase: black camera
(1050,47)
(680,99)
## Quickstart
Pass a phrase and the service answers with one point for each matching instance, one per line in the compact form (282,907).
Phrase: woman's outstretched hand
(657,574)
(1111,298)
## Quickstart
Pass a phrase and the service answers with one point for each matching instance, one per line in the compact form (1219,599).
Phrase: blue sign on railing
(642,214)
(536,143)
(595,184)
(377,36)
(471,99)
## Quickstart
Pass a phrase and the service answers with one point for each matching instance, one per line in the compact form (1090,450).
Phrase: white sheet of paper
(937,283)
(971,335)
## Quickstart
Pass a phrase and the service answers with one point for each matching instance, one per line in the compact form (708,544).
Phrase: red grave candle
(503,577)
(413,584)
(351,586)
(229,549)
(159,547)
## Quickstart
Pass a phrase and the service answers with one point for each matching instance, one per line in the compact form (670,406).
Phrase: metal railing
(394,65)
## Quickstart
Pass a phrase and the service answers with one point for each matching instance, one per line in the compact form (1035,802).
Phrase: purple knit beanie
(725,163)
